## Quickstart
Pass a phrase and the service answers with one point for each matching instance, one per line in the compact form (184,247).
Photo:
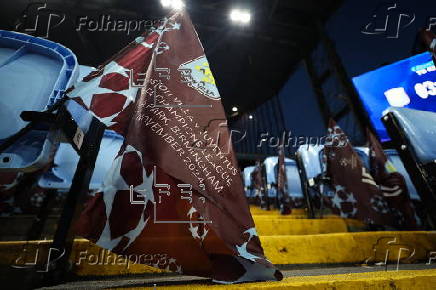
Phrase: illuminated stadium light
(173,4)
(234,109)
(250,117)
(240,16)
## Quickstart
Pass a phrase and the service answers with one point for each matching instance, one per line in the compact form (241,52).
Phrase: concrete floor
(150,282)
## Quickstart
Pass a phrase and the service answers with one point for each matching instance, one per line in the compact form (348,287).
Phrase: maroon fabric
(8,186)
(174,193)
(392,184)
(282,188)
(257,179)
(356,195)
(19,192)
(428,37)
(281,174)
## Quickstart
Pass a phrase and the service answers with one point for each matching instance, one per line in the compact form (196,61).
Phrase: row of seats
(311,160)
(271,168)
(311,164)
(413,134)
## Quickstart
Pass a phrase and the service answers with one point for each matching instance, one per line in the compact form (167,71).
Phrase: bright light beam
(173,4)
(240,16)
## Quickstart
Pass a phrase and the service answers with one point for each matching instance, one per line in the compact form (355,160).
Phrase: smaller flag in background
(356,194)
(259,185)
(282,192)
(429,39)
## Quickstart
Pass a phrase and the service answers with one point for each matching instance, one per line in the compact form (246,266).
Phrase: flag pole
(60,249)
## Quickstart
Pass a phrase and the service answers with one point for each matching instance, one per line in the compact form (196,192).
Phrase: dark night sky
(359,52)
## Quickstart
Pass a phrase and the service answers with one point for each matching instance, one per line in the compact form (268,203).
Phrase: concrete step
(414,279)
(267,226)
(295,212)
(14,228)
(349,247)
(304,226)
(419,276)
(327,249)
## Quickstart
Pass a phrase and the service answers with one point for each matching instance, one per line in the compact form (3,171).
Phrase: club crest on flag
(197,75)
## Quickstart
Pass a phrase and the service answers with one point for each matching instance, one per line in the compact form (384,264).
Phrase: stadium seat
(295,190)
(60,176)
(271,181)
(247,181)
(47,69)
(66,158)
(413,134)
(310,160)
(293,179)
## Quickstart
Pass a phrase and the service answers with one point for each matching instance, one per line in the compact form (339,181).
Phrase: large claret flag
(174,195)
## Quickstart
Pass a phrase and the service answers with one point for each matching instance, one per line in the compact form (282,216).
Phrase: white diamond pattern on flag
(115,182)
(87,91)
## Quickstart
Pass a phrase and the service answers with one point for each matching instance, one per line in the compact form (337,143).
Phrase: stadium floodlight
(173,4)
(241,16)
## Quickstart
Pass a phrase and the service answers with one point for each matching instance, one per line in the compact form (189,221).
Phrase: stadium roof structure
(250,62)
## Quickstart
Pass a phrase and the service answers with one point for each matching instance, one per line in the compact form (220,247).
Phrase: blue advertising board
(409,83)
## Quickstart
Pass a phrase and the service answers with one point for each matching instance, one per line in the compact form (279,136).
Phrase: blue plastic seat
(270,163)
(311,160)
(34,73)
(293,177)
(419,127)
(60,176)
(413,134)
(66,158)
(247,180)
(294,180)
